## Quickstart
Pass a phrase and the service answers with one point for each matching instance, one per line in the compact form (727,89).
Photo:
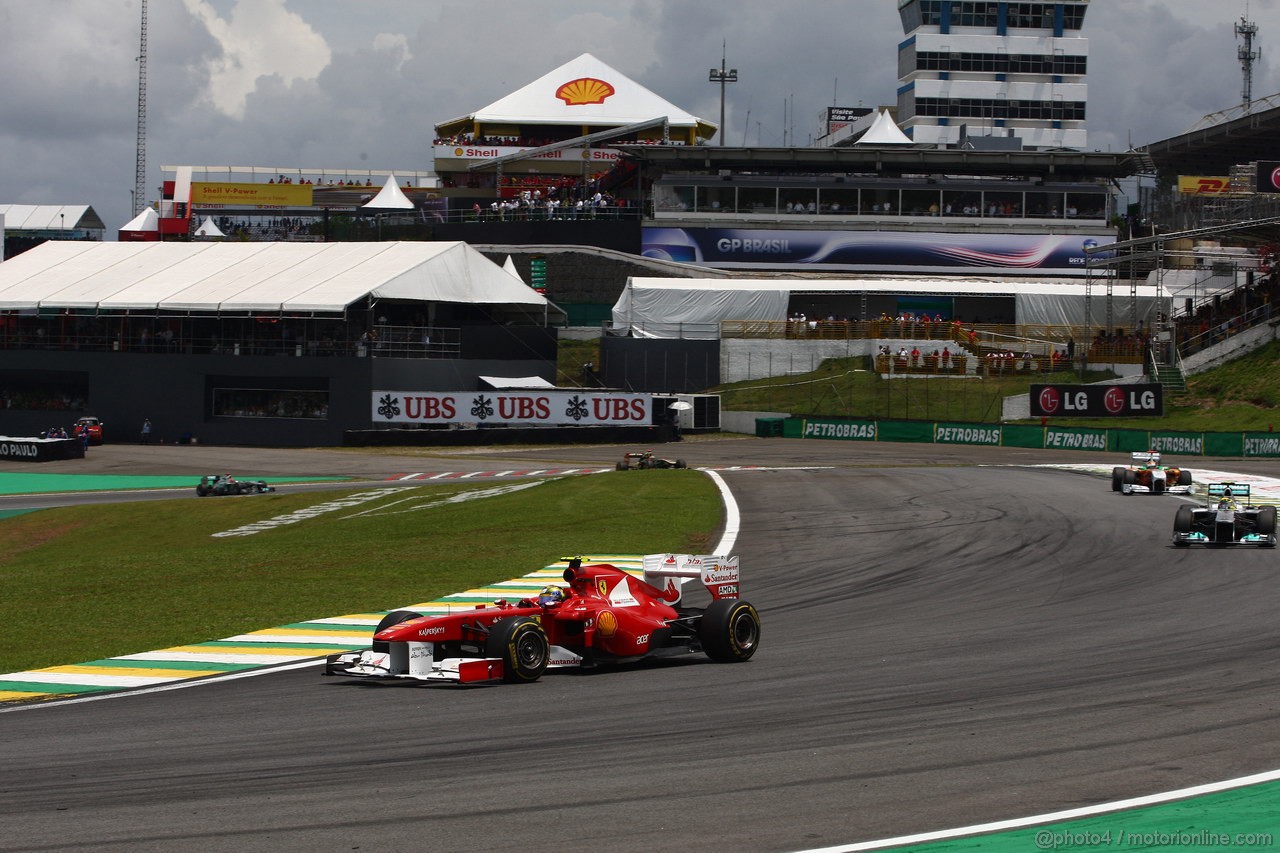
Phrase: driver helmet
(551,595)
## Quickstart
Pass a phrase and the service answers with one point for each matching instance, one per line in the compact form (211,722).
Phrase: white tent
(510,267)
(694,308)
(209,229)
(390,197)
(884,131)
(582,92)
(147,220)
(270,278)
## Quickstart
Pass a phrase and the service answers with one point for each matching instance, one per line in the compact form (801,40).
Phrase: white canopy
(390,197)
(501,382)
(299,278)
(147,220)
(694,308)
(583,91)
(209,229)
(884,131)
(49,217)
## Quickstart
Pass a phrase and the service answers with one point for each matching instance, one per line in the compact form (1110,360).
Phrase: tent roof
(884,131)
(298,278)
(147,220)
(583,91)
(390,197)
(49,217)
(209,229)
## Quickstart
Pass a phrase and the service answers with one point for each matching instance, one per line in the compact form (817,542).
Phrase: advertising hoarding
(526,408)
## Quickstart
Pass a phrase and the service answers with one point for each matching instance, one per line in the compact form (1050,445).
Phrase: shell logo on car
(583,91)
(606,623)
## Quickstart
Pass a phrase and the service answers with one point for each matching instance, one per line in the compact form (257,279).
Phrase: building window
(270,403)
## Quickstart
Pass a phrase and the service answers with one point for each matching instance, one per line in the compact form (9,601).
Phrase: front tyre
(1184,477)
(1117,478)
(1182,523)
(680,463)
(522,645)
(729,630)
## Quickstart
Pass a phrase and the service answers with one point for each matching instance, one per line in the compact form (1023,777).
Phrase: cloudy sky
(361,84)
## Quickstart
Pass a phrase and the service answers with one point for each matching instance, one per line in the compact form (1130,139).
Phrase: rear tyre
(680,463)
(522,645)
(620,466)
(729,630)
(1117,478)
(202,490)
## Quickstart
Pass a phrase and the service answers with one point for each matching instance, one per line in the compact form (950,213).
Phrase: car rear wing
(1145,456)
(719,574)
(1222,490)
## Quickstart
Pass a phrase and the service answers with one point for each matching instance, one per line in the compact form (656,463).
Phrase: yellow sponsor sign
(264,195)
(1199,184)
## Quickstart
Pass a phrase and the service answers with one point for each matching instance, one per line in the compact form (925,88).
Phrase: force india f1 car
(1146,474)
(1227,518)
(605,616)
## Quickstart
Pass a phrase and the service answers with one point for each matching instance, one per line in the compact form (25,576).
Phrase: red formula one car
(606,615)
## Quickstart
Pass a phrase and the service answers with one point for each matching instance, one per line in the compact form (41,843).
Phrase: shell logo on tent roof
(584,90)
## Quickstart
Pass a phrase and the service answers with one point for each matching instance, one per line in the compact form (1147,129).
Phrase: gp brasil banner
(263,195)
(536,408)
(1096,401)
(852,250)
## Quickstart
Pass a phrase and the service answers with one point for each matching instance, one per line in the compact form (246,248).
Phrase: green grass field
(1242,395)
(82,583)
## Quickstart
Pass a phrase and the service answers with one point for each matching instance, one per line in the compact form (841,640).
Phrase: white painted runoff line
(1053,817)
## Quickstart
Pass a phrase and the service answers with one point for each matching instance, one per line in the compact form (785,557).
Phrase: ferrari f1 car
(1146,474)
(1227,518)
(225,484)
(648,460)
(604,616)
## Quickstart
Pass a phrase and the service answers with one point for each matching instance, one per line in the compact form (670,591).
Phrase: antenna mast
(140,171)
(1247,29)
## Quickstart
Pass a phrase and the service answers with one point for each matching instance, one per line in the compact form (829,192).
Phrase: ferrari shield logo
(603,586)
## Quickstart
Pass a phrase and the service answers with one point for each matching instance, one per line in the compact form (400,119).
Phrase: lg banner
(1096,401)
(539,408)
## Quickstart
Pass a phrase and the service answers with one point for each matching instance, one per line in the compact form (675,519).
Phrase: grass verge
(91,582)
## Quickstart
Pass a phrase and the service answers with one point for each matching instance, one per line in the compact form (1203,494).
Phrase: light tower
(722,76)
(140,169)
(1246,30)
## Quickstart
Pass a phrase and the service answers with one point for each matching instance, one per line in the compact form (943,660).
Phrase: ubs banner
(1096,401)
(537,408)
(920,250)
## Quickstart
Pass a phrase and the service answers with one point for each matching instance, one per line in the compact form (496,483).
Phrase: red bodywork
(606,611)
(93,426)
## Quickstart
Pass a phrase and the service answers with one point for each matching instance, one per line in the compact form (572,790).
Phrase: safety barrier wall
(1246,444)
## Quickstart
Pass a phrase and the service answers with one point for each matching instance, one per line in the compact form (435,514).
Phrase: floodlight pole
(722,76)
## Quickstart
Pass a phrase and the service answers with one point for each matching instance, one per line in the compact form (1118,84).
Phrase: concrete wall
(1233,347)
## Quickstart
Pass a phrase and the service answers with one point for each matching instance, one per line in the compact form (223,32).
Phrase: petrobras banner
(1262,444)
(527,408)
(1178,442)
(846,430)
(1096,401)
(966,434)
(1075,439)
(873,250)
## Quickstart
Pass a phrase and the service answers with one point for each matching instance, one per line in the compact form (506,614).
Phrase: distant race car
(93,426)
(606,615)
(1146,474)
(648,460)
(1227,518)
(225,484)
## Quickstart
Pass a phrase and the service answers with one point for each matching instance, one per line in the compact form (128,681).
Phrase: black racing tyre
(395,617)
(1117,477)
(523,647)
(646,463)
(680,463)
(1183,520)
(1128,479)
(1157,486)
(729,630)
(1267,521)
(1184,477)
(202,490)
(621,466)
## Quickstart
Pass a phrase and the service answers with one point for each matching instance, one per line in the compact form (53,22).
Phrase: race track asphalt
(947,641)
